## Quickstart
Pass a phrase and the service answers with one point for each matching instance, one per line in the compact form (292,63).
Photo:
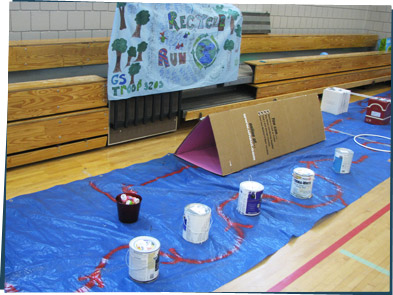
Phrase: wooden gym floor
(348,251)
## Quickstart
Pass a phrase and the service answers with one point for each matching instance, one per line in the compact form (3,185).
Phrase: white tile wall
(91,20)
(39,20)
(67,5)
(29,6)
(30,35)
(66,34)
(49,35)
(62,19)
(100,6)
(83,34)
(49,5)
(107,20)
(76,20)
(20,21)
(58,20)
(84,5)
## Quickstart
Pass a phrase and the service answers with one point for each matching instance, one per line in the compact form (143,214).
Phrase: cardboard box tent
(232,140)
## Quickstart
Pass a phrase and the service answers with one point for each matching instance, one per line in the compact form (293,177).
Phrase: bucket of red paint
(128,213)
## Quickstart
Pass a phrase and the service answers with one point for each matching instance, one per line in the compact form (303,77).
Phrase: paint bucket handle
(127,257)
(127,260)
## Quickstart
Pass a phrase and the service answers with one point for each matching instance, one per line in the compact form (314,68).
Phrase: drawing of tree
(219,9)
(120,46)
(229,45)
(141,48)
(382,45)
(122,20)
(131,53)
(142,18)
(234,15)
(133,70)
(238,31)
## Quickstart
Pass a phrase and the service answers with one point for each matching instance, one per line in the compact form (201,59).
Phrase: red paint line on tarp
(325,253)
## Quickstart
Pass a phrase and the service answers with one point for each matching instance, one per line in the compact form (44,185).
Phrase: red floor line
(325,253)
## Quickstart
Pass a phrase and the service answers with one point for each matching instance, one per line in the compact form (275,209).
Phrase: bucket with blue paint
(250,198)
(342,160)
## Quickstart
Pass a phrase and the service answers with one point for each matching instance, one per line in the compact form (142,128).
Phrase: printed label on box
(269,129)
(376,114)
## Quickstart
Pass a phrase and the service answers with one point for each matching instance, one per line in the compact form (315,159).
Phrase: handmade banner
(158,48)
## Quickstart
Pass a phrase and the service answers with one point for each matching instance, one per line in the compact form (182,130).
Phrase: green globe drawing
(205,52)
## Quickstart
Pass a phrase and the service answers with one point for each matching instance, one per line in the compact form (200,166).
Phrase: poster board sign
(229,141)
(165,47)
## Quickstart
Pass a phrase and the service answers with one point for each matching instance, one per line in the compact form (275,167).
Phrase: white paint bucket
(250,198)
(302,181)
(196,223)
(342,160)
(144,259)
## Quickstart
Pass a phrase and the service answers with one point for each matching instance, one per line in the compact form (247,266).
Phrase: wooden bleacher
(256,43)
(54,53)
(285,75)
(57,53)
(52,118)
(291,76)
(55,117)
(304,66)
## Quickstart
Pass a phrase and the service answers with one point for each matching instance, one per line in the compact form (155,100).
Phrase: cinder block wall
(56,19)
(326,19)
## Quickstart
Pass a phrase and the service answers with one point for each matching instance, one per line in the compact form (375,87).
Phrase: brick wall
(55,19)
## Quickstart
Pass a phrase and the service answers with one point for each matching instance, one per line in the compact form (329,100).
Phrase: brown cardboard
(232,140)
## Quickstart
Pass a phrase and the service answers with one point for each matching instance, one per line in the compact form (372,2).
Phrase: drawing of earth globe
(205,52)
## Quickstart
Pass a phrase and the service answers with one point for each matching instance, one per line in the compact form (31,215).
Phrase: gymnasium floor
(348,251)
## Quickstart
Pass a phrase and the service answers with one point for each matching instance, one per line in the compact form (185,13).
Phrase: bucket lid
(252,186)
(197,209)
(144,244)
(344,150)
(304,172)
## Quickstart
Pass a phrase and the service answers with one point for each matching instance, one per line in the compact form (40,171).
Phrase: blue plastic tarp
(68,238)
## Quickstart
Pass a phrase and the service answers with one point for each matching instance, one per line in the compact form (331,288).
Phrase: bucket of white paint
(144,259)
(342,160)
(302,182)
(196,223)
(250,198)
